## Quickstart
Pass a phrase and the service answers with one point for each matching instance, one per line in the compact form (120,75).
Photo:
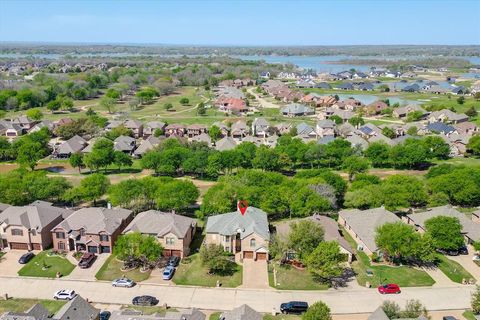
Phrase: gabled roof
(124,143)
(253,221)
(77,308)
(378,314)
(244,312)
(304,129)
(296,108)
(440,127)
(94,220)
(160,223)
(33,216)
(72,145)
(227,143)
(147,145)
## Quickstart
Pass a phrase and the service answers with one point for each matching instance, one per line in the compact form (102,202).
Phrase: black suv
(26,257)
(173,261)
(145,301)
(295,307)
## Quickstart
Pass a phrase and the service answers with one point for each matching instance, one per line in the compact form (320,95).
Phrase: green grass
(148,310)
(404,276)
(22,305)
(468,162)
(195,274)
(54,264)
(281,317)
(111,270)
(452,269)
(289,278)
(468,314)
(214,316)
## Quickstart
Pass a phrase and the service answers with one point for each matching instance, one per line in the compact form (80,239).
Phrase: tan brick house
(28,227)
(90,229)
(173,231)
(247,235)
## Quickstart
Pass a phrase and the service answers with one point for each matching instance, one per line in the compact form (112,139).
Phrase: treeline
(405,64)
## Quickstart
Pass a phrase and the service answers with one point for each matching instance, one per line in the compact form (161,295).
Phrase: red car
(389,288)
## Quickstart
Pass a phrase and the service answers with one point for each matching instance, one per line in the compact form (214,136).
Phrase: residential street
(264,300)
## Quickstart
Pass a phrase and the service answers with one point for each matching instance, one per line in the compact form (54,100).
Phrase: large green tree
(446,232)
(326,262)
(317,311)
(305,236)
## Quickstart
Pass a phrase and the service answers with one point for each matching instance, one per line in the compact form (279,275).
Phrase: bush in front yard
(476,301)
(217,260)
(317,311)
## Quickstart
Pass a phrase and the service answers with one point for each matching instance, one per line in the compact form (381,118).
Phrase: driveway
(467,262)
(89,273)
(9,265)
(255,274)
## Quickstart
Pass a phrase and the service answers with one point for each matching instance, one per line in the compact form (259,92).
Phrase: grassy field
(54,264)
(452,269)
(469,162)
(289,278)
(22,305)
(195,274)
(111,270)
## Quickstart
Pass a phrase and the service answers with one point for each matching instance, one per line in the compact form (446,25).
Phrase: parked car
(449,318)
(476,257)
(123,282)
(295,307)
(144,301)
(64,294)
(463,250)
(26,257)
(389,288)
(168,273)
(173,261)
(448,252)
(105,315)
(87,260)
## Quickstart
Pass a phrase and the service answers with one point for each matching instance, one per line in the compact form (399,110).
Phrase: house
(113,124)
(369,130)
(232,105)
(191,314)
(348,104)
(402,112)
(325,128)
(440,127)
(175,130)
(195,130)
(124,144)
(447,116)
(467,128)
(415,87)
(378,314)
(365,87)
(303,83)
(470,229)
(25,122)
(244,312)
(283,127)
(357,142)
(239,129)
(136,127)
(226,143)
(323,85)
(77,308)
(318,100)
(376,107)
(265,75)
(28,227)
(304,129)
(91,229)
(10,129)
(36,312)
(260,127)
(152,126)
(67,148)
(146,145)
(203,137)
(223,128)
(43,124)
(346,86)
(345,115)
(361,225)
(173,231)
(246,234)
(296,110)
(330,228)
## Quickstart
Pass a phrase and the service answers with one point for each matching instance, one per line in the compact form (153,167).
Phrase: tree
(215,133)
(76,161)
(151,160)
(167,106)
(391,309)
(201,109)
(266,159)
(412,131)
(175,194)
(461,100)
(29,153)
(354,165)
(317,311)
(121,159)
(379,154)
(388,132)
(135,246)
(92,187)
(216,259)
(356,121)
(119,131)
(446,232)
(414,116)
(436,147)
(101,156)
(413,310)
(336,119)
(184,101)
(108,103)
(472,112)
(325,262)
(134,103)
(304,237)
(34,114)
(475,302)
(474,145)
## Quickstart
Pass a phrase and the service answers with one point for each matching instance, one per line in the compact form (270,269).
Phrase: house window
(61,246)
(170,240)
(103,237)
(227,238)
(227,248)
(17,232)
(60,235)
(253,243)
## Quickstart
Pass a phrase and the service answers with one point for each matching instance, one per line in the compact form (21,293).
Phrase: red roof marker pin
(242,205)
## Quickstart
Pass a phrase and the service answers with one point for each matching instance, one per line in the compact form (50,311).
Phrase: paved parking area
(89,273)
(255,274)
(467,262)
(9,265)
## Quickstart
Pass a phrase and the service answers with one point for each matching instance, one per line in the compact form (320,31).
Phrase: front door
(238,243)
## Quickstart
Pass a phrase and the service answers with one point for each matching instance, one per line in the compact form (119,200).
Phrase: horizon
(246,23)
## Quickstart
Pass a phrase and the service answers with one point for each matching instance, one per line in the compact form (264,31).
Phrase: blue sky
(242,22)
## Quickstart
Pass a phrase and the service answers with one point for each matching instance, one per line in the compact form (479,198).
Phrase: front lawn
(45,265)
(160,310)
(22,305)
(111,270)
(469,315)
(194,274)
(289,278)
(452,269)
(214,316)
(281,317)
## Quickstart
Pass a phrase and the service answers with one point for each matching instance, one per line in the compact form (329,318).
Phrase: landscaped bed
(195,274)
(48,265)
(452,269)
(289,278)
(22,305)
(112,269)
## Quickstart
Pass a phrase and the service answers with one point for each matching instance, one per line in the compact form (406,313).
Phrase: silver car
(123,282)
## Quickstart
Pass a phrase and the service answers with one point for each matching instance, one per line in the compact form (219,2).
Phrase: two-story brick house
(91,229)
(173,231)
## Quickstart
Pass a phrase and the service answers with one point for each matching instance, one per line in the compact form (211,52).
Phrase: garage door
(167,253)
(36,246)
(105,249)
(261,256)
(177,253)
(92,249)
(248,254)
(18,246)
